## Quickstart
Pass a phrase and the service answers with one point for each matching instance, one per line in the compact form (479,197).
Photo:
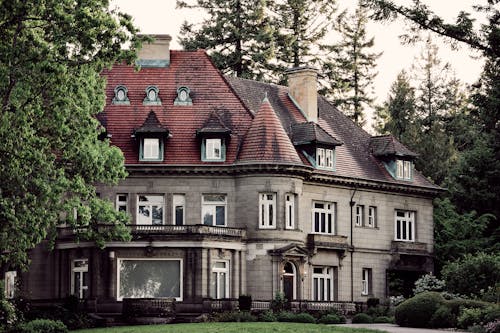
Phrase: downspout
(351,248)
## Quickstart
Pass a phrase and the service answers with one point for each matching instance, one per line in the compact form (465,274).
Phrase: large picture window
(267,210)
(150,209)
(214,209)
(219,284)
(143,278)
(404,226)
(323,283)
(323,215)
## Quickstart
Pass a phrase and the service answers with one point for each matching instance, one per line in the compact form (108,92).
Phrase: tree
(51,55)
(236,34)
(351,77)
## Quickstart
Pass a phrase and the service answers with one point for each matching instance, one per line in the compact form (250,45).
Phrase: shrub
(304,318)
(246,316)
(443,317)
(383,320)
(268,316)
(7,313)
(428,282)
(377,311)
(245,302)
(286,316)
(230,316)
(459,303)
(362,318)
(279,302)
(372,302)
(418,310)
(469,317)
(331,319)
(43,326)
(493,327)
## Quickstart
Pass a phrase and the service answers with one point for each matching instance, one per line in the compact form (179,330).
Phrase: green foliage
(383,320)
(295,317)
(50,93)
(42,326)
(377,311)
(268,316)
(245,302)
(8,315)
(362,318)
(279,302)
(235,316)
(443,317)
(484,268)
(428,282)
(469,317)
(418,310)
(331,319)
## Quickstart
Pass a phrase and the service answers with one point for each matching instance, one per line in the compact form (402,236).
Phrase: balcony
(415,248)
(330,242)
(164,232)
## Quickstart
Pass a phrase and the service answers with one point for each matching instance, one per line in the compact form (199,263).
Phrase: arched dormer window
(121,95)
(152,96)
(183,97)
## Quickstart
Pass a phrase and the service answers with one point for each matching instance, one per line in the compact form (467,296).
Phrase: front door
(288,287)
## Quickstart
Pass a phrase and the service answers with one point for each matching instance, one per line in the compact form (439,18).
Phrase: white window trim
(150,204)
(119,203)
(294,275)
(84,269)
(226,270)
(327,212)
(148,150)
(372,217)
(365,281)
(264,205)
(290,211)
(360,215)
(404,169)
(176,203)
(210,146)
(181,273)
(326,278)
(325,158)
(214,204)
(408,219)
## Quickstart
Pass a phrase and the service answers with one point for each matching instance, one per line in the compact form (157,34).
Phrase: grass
(229,328)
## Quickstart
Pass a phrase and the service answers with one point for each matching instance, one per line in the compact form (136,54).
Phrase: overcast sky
(161,17)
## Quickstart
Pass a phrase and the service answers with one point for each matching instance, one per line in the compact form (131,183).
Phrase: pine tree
(236,34)
(350,80)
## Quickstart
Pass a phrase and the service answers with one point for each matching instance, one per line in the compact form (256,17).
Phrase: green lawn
(229,328)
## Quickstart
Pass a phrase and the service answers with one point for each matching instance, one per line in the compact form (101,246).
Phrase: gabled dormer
(396,158)
(151,138)
(315,144)
(214,137)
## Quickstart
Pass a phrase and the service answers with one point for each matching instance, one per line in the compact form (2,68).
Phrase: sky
(161,17)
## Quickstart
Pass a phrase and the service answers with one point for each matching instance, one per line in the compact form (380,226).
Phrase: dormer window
(151,149)
(152,97)
(121,96)
(404,169)
(214,137)
(325,158)
(213,149)
(151,136)
(183,97)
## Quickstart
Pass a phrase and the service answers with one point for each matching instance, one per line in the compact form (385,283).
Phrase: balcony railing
(163,229)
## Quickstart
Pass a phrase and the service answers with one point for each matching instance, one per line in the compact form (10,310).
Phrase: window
(324,158)
(144,278)
(183,97)
(122,202)
(178,203)
(403,169)
(405,226)
(267,215)
(322,283)
(213,150)
(79,278)
(121,96)
(152,93)
(289,211)
(372,217)
(10,284)
(151,149)
(323,217)
(150,209)
(366,284)
(360,212)
(219,283)
(214,209)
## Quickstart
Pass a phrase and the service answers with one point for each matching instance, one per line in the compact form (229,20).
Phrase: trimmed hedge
(42,326)
(362,318)
(331,319)
(296,317)
(418,311)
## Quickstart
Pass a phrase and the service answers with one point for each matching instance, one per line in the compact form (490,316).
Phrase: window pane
(179,215)
(143,216)
(151,149)
(214,198)
(220,215)
(271,222)
(213,285)
(208,216)
(222,285)
(157,215)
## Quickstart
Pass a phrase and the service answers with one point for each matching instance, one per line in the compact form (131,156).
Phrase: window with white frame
(151,149)
(404,225)
(267,208)
(79,278)
(219,283)
(372,217)
(214,150)
(289,211)
(403,169)
(150,209)
(366,284)
(324,158)
(323,217)
(178,202)
(149,278)
(360,212)
(213,211)
(10,284)
(322,283)
(122,202)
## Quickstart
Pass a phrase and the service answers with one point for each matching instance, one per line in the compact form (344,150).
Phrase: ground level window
(10,284)
(366,284)
(323,283)
(79,278)
(219,284)
(142,278)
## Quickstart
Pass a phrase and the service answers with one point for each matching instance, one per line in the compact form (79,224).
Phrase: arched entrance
(290,281)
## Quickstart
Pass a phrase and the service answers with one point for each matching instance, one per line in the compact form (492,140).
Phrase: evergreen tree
(350,84)
(51,55)
(236,34)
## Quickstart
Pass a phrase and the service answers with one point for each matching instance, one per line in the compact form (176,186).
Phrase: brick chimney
(302,84)
(156,53)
